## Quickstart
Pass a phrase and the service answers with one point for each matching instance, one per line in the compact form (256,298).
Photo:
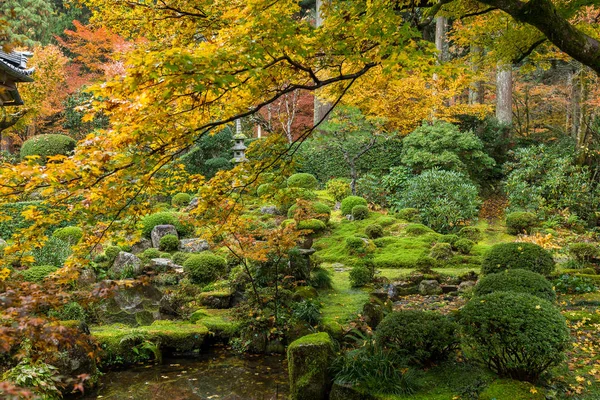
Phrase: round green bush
(441,251)
(471,233)
(424,337)
(464,246)
(264,189)
(181,200)
(349,202)
(168,243)
(417,230)
(445,199)
(527,256)
(360,212)
(360,276)
(374,231)
(204,268)
(520,222)
(312,224)
(180,257)
(517,335)
(583,252)
(69,234)
(150,253)
(37,273)
(319,210)
(450,238)
(48,145)
(111,253)
(409,215)
(303,180)
(338,188)
(425,264)
(166,218)
(516,280)
(355,244)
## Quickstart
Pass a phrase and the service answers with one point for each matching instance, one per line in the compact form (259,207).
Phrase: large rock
(193,204)
(165,265)
(269,210)
(429,287)
(126,265)
(309,359)
(141,245)
(138,305)
(86,277)
(466,286)
(345,392)
(195,245)
(161,230)
(3,243)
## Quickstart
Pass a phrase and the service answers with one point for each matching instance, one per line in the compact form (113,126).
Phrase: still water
(217,375)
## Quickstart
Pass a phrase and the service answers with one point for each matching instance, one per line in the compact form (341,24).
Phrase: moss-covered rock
(309,359)
(344,392)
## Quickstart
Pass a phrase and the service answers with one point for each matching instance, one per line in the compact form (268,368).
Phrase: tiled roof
(15,65)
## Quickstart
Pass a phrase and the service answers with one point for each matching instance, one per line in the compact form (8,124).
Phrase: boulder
(126,264)
(164,265)
(193,204)
(195,245)
(373,313)
(449,288)
(141,245)
(138,305)
(269,210)
(218,300)
(86,277)
(309,359)
(3,243)
(429,287)
(161,230)
(466,286)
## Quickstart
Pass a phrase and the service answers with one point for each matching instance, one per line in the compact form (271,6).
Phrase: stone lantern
(239,148)
(13,70)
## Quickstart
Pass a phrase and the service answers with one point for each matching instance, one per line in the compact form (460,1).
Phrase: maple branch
(528,52)
(543,15)
(478,13)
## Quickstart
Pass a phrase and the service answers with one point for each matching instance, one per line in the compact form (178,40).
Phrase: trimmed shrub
(446,199)
(204,268)
(181,200)
(374,231)
(168,243)
(424,337)
(441,251)
(527,256)
(417,230)
(520,222)
(471,233)
(338,188)
(515,334)
(583,253)
(264,189)
(312,224)
(37,273)
(69,234)
(349,202)
(165,218)
(360,212)
(150,253)
(516,280)
(360,276)
(180,257)
(355,244)
(450,238)
(464,246)
(409,215)
(303,180)
(425,264)
(54,252)
(46,146)
(111,253)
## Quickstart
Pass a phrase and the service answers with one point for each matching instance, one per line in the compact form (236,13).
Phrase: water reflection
(217,375)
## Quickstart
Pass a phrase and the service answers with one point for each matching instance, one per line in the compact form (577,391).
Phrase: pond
(215,375)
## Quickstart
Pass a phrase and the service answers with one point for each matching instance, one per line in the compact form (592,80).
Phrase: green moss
(576,316)
(309,359)
(119,342)
(341,303)
(506,389)
(219,322)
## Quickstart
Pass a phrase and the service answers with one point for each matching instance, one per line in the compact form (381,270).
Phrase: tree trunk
(441,39)
(320,108)
(476,90)
(504,94)
(354,178)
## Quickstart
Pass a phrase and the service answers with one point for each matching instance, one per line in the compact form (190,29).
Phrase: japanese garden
(300,199)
